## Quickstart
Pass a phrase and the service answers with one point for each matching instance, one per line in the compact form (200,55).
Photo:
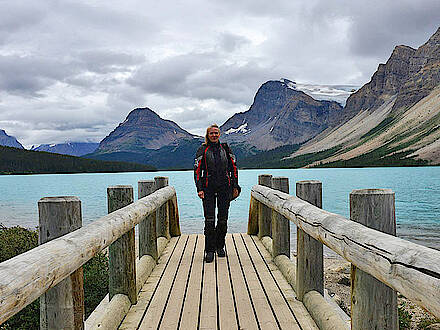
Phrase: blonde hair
(207,131)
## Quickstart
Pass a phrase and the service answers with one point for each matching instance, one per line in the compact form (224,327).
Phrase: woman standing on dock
(216,178)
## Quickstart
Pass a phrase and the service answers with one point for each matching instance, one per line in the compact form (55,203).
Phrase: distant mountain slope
(17,161)
(68,148)
(9,141)
(395,116)
(143,129)
(280,115)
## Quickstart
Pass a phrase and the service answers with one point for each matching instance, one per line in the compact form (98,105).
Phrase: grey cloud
(230,42)
(28,75)
(202,76)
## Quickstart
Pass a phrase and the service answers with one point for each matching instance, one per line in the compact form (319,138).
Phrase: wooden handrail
(27,276)
(409,268)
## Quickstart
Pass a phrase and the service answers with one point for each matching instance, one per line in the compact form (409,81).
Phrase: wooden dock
(167,284)
(244,290)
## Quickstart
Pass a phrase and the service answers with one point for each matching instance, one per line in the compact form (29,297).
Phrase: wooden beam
(32,273)
(409,268)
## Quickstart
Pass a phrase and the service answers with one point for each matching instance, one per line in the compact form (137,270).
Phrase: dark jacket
(215,167)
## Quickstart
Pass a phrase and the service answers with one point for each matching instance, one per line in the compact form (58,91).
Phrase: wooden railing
(409,268)
(53,269)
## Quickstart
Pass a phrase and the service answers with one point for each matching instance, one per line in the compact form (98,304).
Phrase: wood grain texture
(162,213)
(147,227)
(409,268)
(174,217)
(121,253)
(246,316)
(30,274)
(264,212)
(63,305)
(253,217)
(310,256)
(280,225)
(373,304)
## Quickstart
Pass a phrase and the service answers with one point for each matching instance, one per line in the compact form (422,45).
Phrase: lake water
(417,192)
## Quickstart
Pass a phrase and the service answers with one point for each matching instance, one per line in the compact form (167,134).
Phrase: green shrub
(404,317)
(16,240)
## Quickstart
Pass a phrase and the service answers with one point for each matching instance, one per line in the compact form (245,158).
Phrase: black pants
(215,235)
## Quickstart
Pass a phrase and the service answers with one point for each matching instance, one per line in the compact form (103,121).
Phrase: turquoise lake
(417,192)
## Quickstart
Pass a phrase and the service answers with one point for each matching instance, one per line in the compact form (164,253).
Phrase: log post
(122,257)
(162,213)
(61,307)
(253,217)
(174,217)
(264,212)
(280,225)
(310,259)
(147,228)
(373,304)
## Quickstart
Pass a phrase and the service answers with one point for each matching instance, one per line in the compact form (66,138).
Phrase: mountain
(9,141)
(143,129)
(280,114)
(392,120)
(68,148)
(146,138)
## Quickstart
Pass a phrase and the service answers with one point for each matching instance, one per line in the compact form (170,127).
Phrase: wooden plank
(301,313)
(190,312)
(171,315)
(158,302)
(409,268)
(227,319)
(208,310)
(265,316)
(136,312)
(246,315)
(282,312)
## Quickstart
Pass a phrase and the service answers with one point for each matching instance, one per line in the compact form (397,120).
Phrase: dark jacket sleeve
(232,167)
(199,168)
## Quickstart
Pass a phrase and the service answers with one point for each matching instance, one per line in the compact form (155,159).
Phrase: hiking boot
(209,257)
(221,253)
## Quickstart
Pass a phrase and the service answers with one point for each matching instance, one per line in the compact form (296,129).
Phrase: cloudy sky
(73,70)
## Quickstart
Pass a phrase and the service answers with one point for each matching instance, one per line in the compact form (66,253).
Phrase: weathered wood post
(147,228)
(173,212)
(373,304)
(122,258)
(253,217)
(61,307)
(310,259)
(280,225)
(162,213)
(264,212)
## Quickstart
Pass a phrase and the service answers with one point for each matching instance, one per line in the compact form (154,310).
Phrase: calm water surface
(417,195)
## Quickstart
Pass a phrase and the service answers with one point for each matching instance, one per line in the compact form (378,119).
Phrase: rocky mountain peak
(279,115)
(143,129)
(9,141)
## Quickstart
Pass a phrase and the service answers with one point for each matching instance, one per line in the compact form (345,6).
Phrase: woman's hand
(234,193)
(201,194)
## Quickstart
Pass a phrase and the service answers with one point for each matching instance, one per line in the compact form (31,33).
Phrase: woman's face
(213,134)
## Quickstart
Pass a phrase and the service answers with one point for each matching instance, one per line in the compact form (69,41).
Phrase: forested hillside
(18,161)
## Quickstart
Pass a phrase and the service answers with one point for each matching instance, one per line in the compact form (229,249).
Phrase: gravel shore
(337,282)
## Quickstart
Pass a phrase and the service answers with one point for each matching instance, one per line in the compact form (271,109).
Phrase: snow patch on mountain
(241,129)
